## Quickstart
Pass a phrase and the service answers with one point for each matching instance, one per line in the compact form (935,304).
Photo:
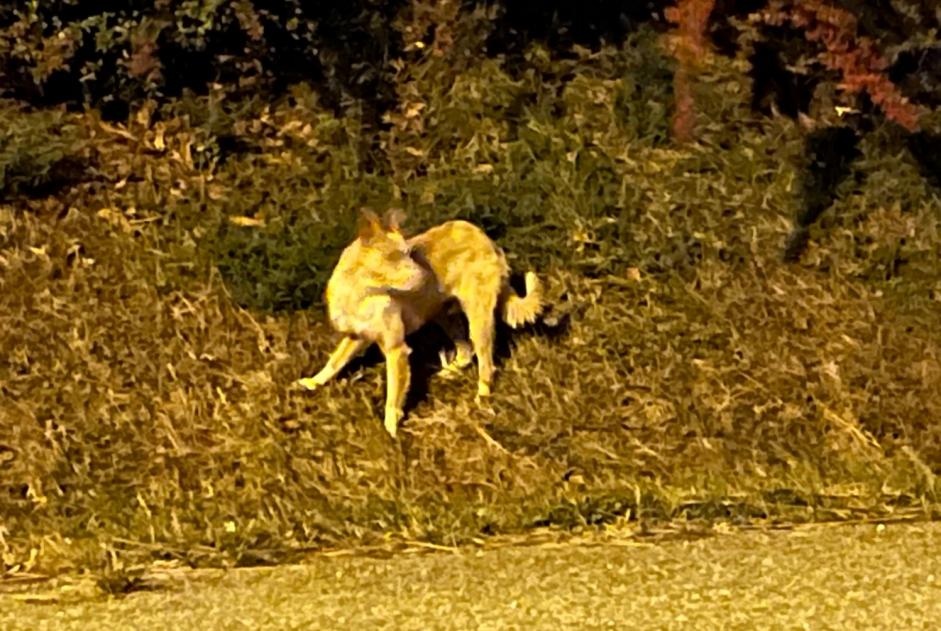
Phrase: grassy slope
(146,402)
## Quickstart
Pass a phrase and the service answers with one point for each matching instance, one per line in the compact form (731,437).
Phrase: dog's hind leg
(480,319)
(452,325)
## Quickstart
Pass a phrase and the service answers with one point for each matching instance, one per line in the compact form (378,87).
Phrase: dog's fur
(385,287)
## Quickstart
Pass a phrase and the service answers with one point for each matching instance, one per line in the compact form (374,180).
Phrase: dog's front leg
(348,348)
(397,383)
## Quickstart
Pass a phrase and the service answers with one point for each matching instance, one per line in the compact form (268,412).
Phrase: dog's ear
(393,219)
(368,225)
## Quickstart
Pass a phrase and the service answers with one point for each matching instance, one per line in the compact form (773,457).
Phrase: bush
(114,55)
(39,151)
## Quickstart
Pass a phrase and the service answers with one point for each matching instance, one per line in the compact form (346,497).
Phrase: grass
(156,312)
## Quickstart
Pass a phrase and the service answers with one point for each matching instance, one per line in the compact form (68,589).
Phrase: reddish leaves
(857,58)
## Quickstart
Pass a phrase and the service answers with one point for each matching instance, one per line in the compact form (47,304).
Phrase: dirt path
(847,577)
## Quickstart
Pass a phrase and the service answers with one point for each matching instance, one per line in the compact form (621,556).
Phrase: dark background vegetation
(177,179)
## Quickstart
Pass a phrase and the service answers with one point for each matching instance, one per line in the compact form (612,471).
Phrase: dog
(386,286)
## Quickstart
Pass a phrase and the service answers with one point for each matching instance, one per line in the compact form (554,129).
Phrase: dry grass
(151,339)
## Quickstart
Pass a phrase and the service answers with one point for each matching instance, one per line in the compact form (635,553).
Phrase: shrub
(39,151)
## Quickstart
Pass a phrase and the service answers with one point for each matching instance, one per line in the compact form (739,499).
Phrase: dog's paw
(391,422)
(462,359)
(308,383)
(484,404)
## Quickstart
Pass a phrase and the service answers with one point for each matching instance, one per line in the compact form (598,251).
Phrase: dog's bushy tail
(518,311)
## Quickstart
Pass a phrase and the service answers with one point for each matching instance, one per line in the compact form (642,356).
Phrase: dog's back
(473,269)
(467,264)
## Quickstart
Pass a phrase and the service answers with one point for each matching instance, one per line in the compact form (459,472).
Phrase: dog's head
(385,254)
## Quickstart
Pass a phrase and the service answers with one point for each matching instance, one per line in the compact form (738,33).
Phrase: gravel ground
(846,577)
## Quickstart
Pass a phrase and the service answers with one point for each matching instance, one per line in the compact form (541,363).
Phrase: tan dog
(385,287)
